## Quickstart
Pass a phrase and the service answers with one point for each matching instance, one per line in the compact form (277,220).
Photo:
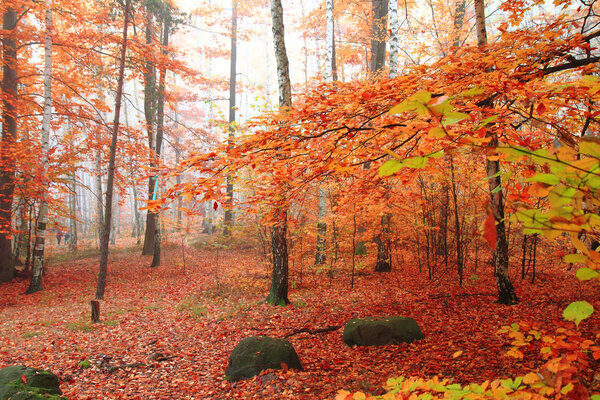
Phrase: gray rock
(38,385)
(257,353)
(377,331)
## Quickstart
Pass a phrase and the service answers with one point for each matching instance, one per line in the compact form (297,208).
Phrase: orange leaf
(457,354)
(489,230)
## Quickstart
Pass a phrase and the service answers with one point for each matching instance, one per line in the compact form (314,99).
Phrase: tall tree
(101,285)
(278,293)
(150,100)
(378,35)
(9,136)
(320,257)
(506,291)
(228,219)
(394,39)
(38,253)
(160,126)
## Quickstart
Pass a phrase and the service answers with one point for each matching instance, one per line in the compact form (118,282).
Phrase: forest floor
(194,311)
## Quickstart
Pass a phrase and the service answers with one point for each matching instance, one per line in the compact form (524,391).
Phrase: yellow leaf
(457,354)
(342,395)
(539,189)
(531,378)
(437,132)
(359,396)
(567,388)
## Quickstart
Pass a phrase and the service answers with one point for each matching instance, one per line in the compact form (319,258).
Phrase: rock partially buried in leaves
(23,383)
(256,353)
(377,331)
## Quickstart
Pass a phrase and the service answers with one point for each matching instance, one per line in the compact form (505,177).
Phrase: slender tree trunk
(9,137)
(160,135)
(394,38)
(506,290)
(378,35)
(228,219)
(384,256)
(73,209)
(35,285)
(99,204)
(279,281)
(459,260)
(150,114)
(111,164)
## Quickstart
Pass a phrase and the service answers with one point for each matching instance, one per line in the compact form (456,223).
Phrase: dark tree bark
(384,253)
(160,134)
(506,290)
(150,100)
(378,34)
(111,165)
(9,135)
(279,283)
(228,219)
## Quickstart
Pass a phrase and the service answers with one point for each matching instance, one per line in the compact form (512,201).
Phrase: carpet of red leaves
(195,312)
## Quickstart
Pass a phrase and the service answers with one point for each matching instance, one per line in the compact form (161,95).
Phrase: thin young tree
(506,290)
(160,127)
(35,284)
(101,285)
(228,218)
(278,293)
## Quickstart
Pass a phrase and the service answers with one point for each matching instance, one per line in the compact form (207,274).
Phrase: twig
(314,331)
(116,367)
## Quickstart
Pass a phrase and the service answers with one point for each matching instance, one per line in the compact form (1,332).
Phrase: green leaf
(437,132)
(585,274)
(578,311)
(589,147)
(422,97)
(496,189)
(453,117)
(561,195)
(416,162)
(437,154)
(390,167)
(403,107)
(474,91)
(595,397)
(575,258)
(487,121)
(548,179)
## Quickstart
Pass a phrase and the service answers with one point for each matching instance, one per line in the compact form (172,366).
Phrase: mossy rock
(377,331)
(38,385)
(257,353)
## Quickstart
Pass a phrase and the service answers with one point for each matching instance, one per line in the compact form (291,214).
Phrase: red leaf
(24,379)
(489,230)
(215,206)
(284,367)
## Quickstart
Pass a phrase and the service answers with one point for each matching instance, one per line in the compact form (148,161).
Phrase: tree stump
(95,311)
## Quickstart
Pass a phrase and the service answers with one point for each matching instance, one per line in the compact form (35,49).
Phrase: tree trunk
(278,295)
(506,291)
(279,281)
(228,218)
(9,136)
(150,114)
(378,35)
(35,285)
(384,255)
(159,135)
(394,39)
(111,165)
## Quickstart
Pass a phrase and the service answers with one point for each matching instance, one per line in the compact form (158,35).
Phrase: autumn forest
(300,199)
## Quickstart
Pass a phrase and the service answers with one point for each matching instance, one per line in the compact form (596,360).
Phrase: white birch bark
(394,39)
(38,254)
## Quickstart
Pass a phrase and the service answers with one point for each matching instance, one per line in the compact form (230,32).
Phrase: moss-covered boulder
(23,383)
(256,353)
(377,331)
